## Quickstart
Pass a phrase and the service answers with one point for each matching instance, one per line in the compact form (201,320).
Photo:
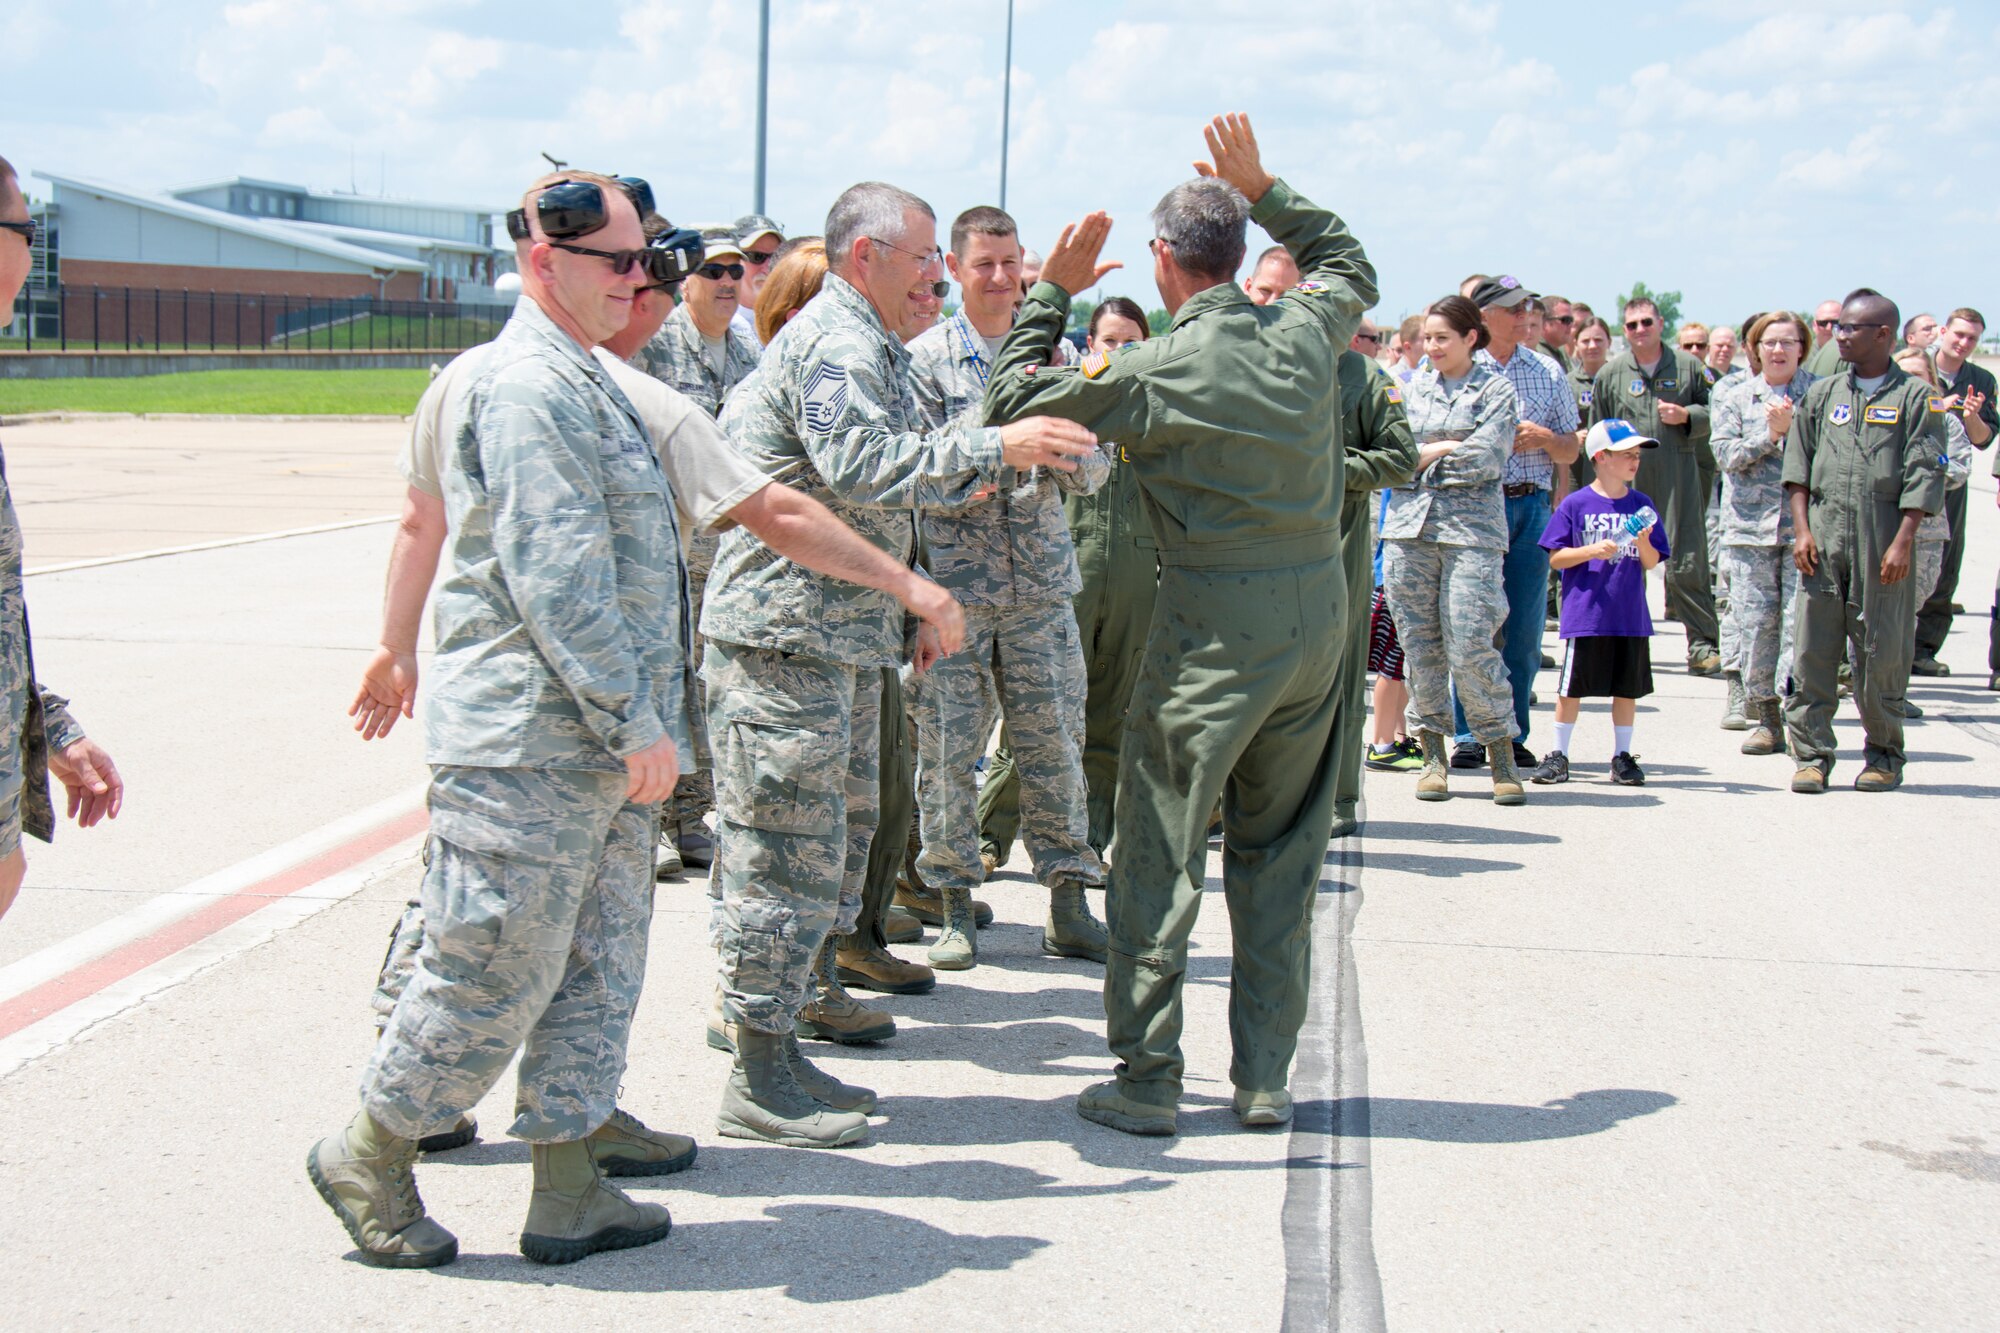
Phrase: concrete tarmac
(1698,1054)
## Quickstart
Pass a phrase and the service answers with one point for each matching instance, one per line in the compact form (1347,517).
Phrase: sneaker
(1929,666)
(1554,768)
(1524,758)
(1386,758)
(1625,770)
(1413,755)
(1468,754)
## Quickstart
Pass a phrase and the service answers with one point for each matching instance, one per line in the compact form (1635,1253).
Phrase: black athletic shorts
(1606,666)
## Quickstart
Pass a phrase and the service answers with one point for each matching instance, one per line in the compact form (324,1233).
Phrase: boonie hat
(752,225)
(1504,292)
(1615,435)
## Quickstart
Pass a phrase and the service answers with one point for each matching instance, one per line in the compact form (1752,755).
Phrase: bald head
(1867,304)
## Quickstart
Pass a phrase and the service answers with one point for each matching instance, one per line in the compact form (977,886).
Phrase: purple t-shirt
(1603,597)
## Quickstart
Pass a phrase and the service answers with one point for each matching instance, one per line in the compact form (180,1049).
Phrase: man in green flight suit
(1864,462)
(1231,419)
(1663,392)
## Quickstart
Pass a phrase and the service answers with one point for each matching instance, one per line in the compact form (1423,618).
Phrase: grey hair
(1203,222)
(869,209)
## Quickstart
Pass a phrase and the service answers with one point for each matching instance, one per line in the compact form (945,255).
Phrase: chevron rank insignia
(825,398)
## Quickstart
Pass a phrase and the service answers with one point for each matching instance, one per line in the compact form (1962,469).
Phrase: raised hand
(1233,146)
(1072,263)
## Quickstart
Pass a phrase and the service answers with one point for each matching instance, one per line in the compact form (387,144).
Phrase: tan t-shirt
(708,475)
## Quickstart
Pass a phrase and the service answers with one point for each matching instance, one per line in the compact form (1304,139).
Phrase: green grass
(250,392)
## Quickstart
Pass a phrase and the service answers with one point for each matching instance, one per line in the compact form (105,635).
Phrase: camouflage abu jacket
(1754,509)
(38,720)
(674,357)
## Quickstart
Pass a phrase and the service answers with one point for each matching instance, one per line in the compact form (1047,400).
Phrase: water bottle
(1639,521)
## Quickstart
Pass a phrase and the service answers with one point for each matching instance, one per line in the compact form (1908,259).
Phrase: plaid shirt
(1545,398)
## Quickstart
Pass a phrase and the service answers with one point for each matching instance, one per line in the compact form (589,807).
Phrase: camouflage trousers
(1757,627)
(1449,603)
(1023,663)
(532,937)
(1928,567)
(694,794)
(796,752)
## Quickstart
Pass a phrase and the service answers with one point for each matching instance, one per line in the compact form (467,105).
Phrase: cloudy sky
(1747,154)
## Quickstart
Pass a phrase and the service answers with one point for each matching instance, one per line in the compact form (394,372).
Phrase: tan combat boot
(923,902)
(1507,789)
(721,1032)
(957,947)
(364,1175)
(460,1132)
(823,1087)
(834,1015)
(1735,710)
(988,863)
(1433,783)
(1768,737)
(901,927)
(624,1146)
(865,965)
(1263,1110)
(574,1212)
(1809,779)
(1072,932)
(763,1100)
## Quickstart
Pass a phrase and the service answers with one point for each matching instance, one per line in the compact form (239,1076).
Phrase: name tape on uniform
(1886,415)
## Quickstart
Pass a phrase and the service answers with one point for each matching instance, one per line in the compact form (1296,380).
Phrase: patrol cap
(1504,292)
(719,243)
(1615,435)
(752,225)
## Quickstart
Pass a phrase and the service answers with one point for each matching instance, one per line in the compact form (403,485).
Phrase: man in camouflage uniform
(555,728)
(701,352)
(1009,560)
(41,735)
(793,665)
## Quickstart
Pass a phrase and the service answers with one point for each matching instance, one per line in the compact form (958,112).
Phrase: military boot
(823,1087)
(461,1131)
(721,1032)
(667,863)
(868,966)
(1344,822)
(1263,1110)
(625,1146)
(900,927)
(574,1212)
(834,1015)
(1507,789)
(696,846)
(364,1175)
(924,903)
(763,1101)
(1769,735)
(957,947)
(988,863)
(1736,712)
(1809,779)
(1434,784)
(1072,932)
(1106,1103)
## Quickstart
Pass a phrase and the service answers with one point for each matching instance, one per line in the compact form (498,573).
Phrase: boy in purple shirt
(1604,538)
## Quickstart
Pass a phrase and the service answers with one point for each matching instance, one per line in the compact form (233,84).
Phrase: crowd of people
(750,545)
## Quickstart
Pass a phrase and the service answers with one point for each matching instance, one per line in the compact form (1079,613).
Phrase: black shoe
(1625,770)
(697,848)
(1554,768)
(1524,758)
(1929,666)
(1468,754)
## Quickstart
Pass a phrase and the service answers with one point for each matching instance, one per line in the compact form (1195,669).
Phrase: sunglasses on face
(1635,324)
(27,230)
(1823,323)
(621,261)
(715,271)
(1852,329)
(940,289)
(1375,338)
(1559,319)
(759,257)
(1694,347)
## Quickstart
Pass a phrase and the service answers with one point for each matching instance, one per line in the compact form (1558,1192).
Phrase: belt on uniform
(1514,490)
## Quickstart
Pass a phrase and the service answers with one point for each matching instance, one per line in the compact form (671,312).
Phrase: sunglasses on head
(1644,323)
(715,271)
(569,209)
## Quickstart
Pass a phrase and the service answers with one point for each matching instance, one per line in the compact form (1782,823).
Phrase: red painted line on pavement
(82,982)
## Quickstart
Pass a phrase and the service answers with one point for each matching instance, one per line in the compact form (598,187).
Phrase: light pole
(1006,103)
(763,95)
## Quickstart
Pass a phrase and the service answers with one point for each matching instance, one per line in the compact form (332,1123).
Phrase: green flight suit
(1378,450)
(1671,475)
(1825,362)
(1864,459)
(1230,419)
(1115,553)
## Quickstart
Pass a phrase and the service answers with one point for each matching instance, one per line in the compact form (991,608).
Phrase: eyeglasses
(1694,347)
(759,257)
(1778,344)
(1822,323)
(1375,338)
(1559,319)
(1845,327)
(715,271)
(1636,324)
(672,290)
(26,229)
(935,259)
(621,261)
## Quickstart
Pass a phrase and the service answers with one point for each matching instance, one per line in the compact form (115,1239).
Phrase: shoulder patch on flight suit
(1586,397)
(1311,288)
(1096,364)
(1842,414)
(1394,390)
(1709,371)
(1887,414)
(1937,404)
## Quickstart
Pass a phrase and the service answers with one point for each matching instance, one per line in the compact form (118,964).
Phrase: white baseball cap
(1615,434)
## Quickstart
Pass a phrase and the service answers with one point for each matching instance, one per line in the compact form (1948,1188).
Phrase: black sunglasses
(28,229)
(1368,338)
(622,261)
(940,289)
(760,256)
(1645,323)
(577,208)
(715,271)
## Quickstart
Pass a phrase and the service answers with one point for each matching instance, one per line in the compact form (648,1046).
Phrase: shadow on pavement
(1438,867)
(1488,1122)
(1612,795)
(1484,837)
(817,1253)
(759,1172)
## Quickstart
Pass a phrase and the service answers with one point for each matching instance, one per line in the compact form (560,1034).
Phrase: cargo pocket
(778,776)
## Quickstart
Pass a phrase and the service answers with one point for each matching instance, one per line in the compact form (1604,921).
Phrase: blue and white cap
(1615,433)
